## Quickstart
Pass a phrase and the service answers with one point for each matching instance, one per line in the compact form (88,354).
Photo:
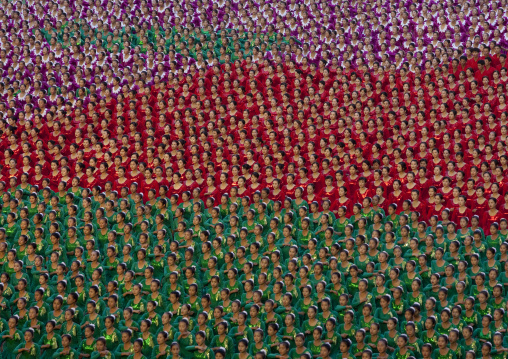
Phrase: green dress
(237,356)
(474,345)
(55,343)
(227,344)
(120,349)
(112,340)
(246,334)
(207,354)
(141,306)
(450,355)
(73,354)
(293,354)
(148,345)
(382,317)
(33,353)
(74,332)
(314,349)
(156,351)
(398,355)
(184,343)
(10,344)
(86,348)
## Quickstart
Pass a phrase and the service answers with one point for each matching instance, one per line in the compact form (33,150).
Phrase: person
(201,350)
(137,347)
(11,337)
(29,349)
(66,351)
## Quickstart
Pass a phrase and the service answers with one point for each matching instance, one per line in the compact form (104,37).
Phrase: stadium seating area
(253,179)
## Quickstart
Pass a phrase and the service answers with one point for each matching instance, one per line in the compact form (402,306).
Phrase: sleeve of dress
(356,301)
(37,350)
(21,346)
(377,316)
(427,288)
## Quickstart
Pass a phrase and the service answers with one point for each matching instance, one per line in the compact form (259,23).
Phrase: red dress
(278,197)
(388,185)
(117,186)
(177,191)
(37,182)
(253,189)
(54,180)
(504,210)
(480,208)
(384,205)
(245,193)
(315,197)
(471,199)
(290,192)
(164,182)
(392,198)
(136,178)
(359,196)
(318,182)
(214,193)
(190,186)
(146,187)
(348,204)
(433,211)
(487,220)
(424,188)
(438,183)
(102,181)
(330,195)
(407,191)
(420,208)
(457,214)
(446,196)
(89,184)
(269,185)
